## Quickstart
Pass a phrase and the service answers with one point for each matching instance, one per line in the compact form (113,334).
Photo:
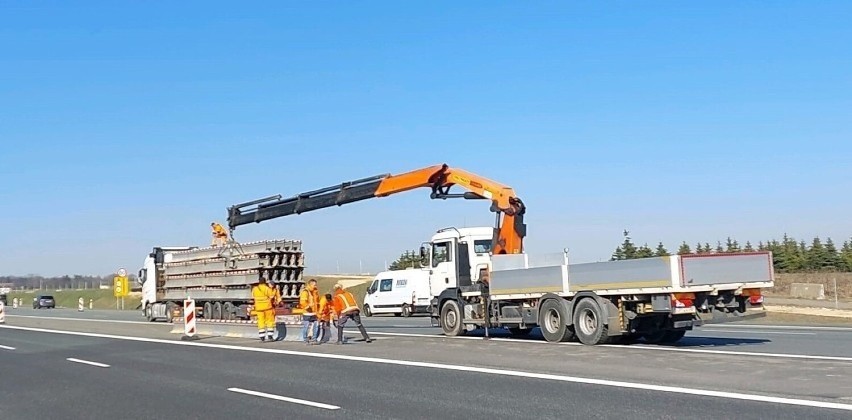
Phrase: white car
(398,292)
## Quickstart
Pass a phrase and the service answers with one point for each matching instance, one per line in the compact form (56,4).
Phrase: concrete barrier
(286,328)
(807,291)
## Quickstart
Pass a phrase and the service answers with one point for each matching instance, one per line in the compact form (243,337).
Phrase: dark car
(44,301)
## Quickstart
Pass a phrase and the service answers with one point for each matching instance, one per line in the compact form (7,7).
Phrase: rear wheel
(208,310)
(553,320)
(451,319)
(217,311)
(589,323)
(229,311)
(406,310)
(149,313)
(367,311)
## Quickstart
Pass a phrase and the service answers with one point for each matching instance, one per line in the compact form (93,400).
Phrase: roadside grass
(101,299)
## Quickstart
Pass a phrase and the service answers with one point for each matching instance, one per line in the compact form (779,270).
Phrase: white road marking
(108,321)
(472,369)
(287,399)
(782,327)
(86,362)
(6,347)
(755,332)
(641,347)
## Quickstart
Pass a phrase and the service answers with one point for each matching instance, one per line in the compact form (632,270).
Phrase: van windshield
(482,246)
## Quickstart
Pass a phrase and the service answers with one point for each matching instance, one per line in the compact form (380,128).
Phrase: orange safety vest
(326,310)
(264,297)
(344,302)
(308,301)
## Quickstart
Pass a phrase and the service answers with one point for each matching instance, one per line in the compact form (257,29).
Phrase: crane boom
(510,229)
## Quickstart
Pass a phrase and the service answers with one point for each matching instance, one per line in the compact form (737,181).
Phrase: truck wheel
(451,319)
(589,323)
(149,313)
(217,311)
(208,310)
(367,312)
(229,312)
(553,320)
(406,311)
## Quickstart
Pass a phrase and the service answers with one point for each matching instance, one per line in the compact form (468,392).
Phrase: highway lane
(822,340)
(186,380)
(827,380)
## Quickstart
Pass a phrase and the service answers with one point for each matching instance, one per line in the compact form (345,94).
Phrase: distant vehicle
(44,301)
(398,292)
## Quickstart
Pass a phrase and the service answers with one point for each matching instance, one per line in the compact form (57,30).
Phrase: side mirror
(422,252)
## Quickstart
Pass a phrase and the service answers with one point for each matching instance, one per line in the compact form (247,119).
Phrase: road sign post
(120,288)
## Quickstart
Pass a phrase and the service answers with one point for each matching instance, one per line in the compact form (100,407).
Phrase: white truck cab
(398,292)
(457,257)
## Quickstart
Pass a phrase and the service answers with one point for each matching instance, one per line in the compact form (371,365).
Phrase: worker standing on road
(265,299)
(220,235)
(326,313)
(309,304)
(345,308)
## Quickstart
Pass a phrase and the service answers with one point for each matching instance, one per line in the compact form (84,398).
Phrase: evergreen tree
(816,258)
(661,250)
(628,250)
(731,245)
(684,249)
(699,249)
(644,252)
(748,247)
(707,248)
(846,256)
(618,254)
(719,248)
(833,261)
(406,260)
(762,247)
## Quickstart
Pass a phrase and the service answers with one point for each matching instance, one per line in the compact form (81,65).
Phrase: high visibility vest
(263,297)
(344,302)
(308,301)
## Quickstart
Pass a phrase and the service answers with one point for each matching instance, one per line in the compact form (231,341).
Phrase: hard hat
(338,286)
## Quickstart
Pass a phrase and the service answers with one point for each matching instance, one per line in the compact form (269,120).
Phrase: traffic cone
(2,312)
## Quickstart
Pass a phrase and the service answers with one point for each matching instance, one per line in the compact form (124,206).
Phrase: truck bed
(526,274)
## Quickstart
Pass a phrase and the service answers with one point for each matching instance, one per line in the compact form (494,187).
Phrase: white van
(398,292)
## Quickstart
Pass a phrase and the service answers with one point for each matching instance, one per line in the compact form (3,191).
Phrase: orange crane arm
(510,228)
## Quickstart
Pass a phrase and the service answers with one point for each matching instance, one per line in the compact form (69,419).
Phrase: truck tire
(589,323)
(208,310)
(229,311)
(217,311)
(406,311)
(149,313)
(367,312)
(451,319)
(553,320)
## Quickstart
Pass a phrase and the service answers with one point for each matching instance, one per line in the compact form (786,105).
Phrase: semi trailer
(219,279)
(482,278)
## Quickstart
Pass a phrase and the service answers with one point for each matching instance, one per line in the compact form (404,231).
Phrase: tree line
(59,282)
(789,255)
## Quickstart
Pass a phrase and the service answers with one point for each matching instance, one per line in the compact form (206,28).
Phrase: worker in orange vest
(266,297)
(326,314)
(346,308)
(309,304)
(220,235)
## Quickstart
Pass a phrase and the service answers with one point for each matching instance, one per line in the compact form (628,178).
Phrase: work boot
(364,334)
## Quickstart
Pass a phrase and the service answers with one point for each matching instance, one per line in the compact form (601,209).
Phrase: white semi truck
(482,278)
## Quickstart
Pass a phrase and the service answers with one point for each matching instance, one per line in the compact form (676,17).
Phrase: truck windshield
(482,246)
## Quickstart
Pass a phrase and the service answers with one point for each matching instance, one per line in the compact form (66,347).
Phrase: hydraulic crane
(509,232)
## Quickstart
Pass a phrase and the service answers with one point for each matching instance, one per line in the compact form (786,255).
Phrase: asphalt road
(819,340)
(108,377)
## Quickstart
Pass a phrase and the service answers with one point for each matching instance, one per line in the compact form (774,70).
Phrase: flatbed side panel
(751,267)
(522,274)
(626,274)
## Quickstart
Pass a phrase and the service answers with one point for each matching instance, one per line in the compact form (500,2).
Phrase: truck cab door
(442,268)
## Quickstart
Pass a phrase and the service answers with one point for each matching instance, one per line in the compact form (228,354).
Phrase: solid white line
(782,327)
(641,347)
(86,362)
(483,370)
(6,347)
(109,321)
(287,399)
(757,332)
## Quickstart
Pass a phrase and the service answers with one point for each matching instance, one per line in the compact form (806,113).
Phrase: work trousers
(325,326)
(309,321)
(266,323)
(356,317)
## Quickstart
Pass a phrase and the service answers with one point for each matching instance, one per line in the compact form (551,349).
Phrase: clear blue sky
(127,126)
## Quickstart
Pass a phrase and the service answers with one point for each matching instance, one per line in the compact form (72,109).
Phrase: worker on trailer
(309,304)
(265,298)
(326,314)
(346,308)
(220,235)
